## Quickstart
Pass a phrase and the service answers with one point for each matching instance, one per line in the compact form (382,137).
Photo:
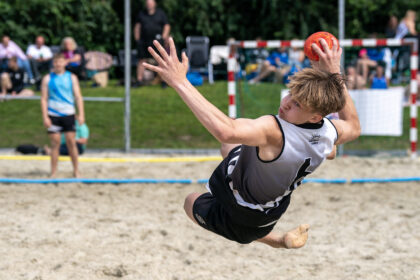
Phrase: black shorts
(142,45)
(219,212)
(62,124)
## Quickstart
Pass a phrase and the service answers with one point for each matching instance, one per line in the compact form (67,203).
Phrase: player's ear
(316,118)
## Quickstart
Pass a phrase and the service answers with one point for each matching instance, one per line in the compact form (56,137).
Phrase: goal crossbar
(411,42)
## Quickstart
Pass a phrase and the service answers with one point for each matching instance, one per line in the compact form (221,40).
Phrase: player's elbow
(225,136)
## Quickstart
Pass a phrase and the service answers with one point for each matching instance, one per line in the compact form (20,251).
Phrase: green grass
(159,119)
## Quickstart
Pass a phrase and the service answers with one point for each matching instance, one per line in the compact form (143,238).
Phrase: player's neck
(60,72)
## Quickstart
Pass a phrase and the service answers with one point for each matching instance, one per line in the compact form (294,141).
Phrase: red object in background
(314,38)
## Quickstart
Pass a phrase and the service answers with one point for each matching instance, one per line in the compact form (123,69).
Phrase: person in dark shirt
(391,28)
(151,24)
(12,81)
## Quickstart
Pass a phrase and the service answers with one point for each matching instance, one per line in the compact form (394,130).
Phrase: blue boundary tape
(384,180)
(190,181)
(325,181)
(95,181)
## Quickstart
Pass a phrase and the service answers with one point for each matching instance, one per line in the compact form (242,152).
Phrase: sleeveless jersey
(260,184)
(60,95)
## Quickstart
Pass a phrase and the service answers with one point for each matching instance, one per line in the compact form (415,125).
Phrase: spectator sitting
(9,49)
(296,58)
(12,80)
(368,58)
(391,28)
(72,55)
(407,26)
(354,80)
(82,136)
(259,54)
(40,57)
(378,80)
(277,61)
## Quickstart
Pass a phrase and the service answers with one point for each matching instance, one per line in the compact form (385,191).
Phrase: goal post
(233,69)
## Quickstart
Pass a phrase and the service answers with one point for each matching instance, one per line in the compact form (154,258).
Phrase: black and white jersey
(260,184)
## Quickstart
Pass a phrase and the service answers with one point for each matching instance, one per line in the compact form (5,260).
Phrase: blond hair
(58,56)
(321,91)
(73,43)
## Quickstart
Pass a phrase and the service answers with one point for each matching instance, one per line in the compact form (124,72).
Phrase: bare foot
(296,238)
(52,175)
(76,174)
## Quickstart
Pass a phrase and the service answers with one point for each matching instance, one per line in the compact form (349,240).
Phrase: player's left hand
(170,69)
(329,59)
(81,119)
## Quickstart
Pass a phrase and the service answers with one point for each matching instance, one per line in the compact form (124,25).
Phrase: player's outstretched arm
(348,126)
(257,132)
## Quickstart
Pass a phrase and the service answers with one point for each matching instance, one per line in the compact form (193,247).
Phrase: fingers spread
(324,45)
(184,60)
(340,51)
(172,48)
(152,67)
(318,50)
(156,56)
(161,50)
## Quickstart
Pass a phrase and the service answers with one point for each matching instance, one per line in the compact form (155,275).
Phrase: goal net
(381,77)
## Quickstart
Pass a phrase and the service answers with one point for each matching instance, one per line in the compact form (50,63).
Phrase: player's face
(293,112)
(59,64)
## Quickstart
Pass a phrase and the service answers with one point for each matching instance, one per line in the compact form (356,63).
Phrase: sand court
(139,231)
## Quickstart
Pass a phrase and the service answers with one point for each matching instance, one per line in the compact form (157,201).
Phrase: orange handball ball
(314,38)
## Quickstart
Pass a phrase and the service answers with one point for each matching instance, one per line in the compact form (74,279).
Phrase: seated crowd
(282,62)
(20,70)
(372,69)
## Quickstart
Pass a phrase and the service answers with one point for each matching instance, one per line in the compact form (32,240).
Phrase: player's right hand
(170,69)
(47,122)
(329,59)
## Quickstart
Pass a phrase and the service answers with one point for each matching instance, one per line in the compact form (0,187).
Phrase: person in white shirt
(9,49)
(40,57)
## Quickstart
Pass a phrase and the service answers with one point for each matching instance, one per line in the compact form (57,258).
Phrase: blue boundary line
(190,181)
(95,181)
(384,180)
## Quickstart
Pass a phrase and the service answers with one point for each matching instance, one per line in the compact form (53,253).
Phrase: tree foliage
(93,23)
(99,24)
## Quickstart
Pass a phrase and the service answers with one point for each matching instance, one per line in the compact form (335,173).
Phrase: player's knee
(71,141)
(189,202)
(55,144)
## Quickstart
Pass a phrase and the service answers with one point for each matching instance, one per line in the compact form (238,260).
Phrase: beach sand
(140,231)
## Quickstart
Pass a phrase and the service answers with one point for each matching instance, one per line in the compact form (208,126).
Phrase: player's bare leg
(189,203)
(293,239)
(55,150)
(73,152)
(140,70)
